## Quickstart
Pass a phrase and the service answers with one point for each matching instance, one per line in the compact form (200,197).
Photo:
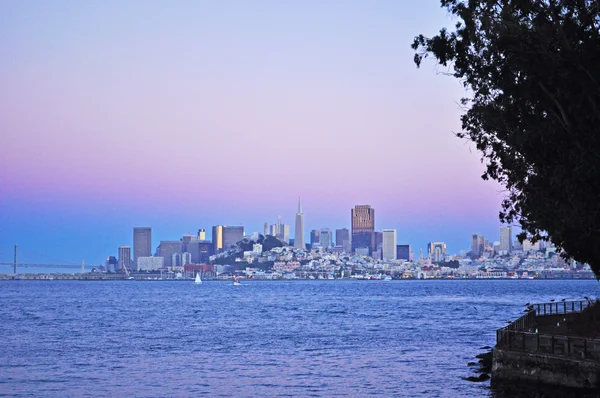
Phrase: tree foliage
(532,69)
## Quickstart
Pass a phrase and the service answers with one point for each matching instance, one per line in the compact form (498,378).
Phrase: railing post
(565,308)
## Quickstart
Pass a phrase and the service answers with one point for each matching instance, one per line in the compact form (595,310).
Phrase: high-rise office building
(202,234)
(325,238)
(363,227)
(217,237)
(200,250)
(314,237)
(389,244)
(266,231)
(167,248)
(476,247)
(404,252)
(142,242)
(505,240)
(378,240)
(125,258)
(232,235)
(342,238)
(299,230)
(436,251)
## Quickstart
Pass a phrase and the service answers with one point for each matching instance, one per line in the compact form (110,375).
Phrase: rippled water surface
(272,338)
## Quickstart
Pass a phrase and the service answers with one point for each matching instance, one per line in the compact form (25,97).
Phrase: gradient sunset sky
(183,115)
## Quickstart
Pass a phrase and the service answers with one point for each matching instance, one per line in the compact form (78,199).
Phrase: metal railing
(520,336)
(561,307)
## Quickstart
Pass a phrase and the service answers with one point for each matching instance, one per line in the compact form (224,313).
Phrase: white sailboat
(197,281)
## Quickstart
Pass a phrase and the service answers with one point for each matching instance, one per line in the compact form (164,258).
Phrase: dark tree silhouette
(532,68)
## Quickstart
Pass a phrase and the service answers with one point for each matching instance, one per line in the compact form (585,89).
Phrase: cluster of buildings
(359,252)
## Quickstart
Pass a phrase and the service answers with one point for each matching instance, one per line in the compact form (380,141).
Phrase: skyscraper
(142,242)
(217,237)
(202,234)
(167,248)
(404,252)
(506,240)
(389,244)
(266,231)
(325,238)
(436,251)
(232,235)
(125,257)
(363,227)
(314,237)
(342,238)
(299,231)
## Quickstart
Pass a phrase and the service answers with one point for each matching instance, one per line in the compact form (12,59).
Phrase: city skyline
(187,117)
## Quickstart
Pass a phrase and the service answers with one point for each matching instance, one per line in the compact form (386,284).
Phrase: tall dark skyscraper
(232,235)
(342,238)
(142,243)
(378,240)
(363,227)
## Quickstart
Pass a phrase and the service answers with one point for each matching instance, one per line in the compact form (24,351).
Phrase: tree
(531,68)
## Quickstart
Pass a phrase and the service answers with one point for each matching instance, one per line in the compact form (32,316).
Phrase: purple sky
(181,117)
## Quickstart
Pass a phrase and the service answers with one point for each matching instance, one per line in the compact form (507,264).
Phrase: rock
(471,364)
(480,378)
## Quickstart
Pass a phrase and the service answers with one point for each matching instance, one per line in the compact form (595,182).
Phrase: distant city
(360,252)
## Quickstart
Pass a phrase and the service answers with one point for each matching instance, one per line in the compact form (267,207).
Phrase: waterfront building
(232,235)
(202,234)
(314,237)
(217,238)
(150,263)
(389,245)
(299,230)
(505,240)
(363,227)
(167,248)
(125,257)
(404,252)
(142,242)
(436,251)
(325,238)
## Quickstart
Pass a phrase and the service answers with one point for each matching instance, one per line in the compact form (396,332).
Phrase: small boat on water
(197,281)
(387,278)
(236,281)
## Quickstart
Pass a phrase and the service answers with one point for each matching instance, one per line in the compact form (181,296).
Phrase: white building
(326,238)
(257,249)
(150,263)
(389,244)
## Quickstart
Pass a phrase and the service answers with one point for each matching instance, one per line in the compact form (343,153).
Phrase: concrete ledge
(544,369)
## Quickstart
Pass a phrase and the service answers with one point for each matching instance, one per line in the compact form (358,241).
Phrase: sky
(186,115)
